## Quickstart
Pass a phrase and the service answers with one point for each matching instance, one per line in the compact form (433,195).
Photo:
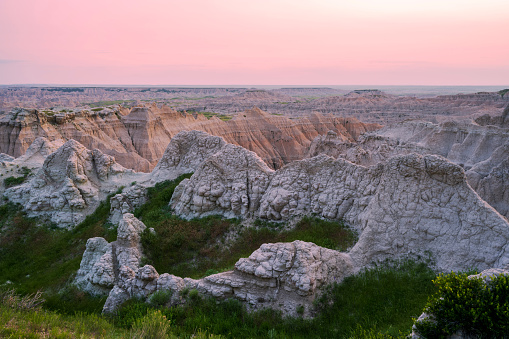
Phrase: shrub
(160,298)
(473,306)
(13,181)
(152,326)
(28,302)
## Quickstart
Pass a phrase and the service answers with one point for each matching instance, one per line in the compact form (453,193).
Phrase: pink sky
(271,42)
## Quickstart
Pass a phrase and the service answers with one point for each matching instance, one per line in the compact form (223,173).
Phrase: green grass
(14,181)
(47,324)
(211,114)
(36,257)
(503,92)
(377,303)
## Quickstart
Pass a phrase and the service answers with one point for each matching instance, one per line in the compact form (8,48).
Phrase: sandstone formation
(137,138)
(409,204)
(71,184)
(481,150)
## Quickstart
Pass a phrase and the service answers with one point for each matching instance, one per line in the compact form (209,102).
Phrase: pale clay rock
(482,151)
(104,263)
(71,183)
(409,204)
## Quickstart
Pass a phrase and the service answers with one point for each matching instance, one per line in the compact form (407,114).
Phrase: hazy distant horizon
(394,42)
(419,90)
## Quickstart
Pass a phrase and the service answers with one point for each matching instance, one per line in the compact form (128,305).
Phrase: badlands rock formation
(284,276)
(71,183)
(137,138)
(103,262)
(29,163)
(185,152)
(409,204)
(481,150)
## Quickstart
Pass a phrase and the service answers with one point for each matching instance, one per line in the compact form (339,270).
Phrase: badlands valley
(186,194)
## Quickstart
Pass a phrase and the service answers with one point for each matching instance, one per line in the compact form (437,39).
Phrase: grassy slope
(384,299)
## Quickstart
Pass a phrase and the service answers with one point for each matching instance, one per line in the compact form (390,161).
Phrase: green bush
(13,181)
(160,298)
(473,306)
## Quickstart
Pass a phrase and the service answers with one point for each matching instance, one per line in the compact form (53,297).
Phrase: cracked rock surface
(408,204)
(71,183)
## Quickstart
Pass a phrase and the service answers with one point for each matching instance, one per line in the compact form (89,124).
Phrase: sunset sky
(271,42)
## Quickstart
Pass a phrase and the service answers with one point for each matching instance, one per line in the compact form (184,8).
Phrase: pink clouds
(262,42)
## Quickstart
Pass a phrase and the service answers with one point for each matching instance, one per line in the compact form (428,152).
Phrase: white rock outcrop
(185,152)
(105,264)
(283,276)
(409,204)
(71,183)
(482,151)
(229,182)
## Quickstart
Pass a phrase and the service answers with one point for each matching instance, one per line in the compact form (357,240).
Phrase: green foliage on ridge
(41,257)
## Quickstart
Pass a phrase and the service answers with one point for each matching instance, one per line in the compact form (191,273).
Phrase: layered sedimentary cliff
(137,138)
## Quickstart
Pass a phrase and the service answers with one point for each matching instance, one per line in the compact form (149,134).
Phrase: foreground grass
(47,324)
(35,257)
(378,303)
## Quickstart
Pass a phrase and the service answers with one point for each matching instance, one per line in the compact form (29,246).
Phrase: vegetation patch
(35,257)
(475,307)
(503,92)
(108,103)
(209,115)
(19,323)
(15,181)
(196,248)
(378,303)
